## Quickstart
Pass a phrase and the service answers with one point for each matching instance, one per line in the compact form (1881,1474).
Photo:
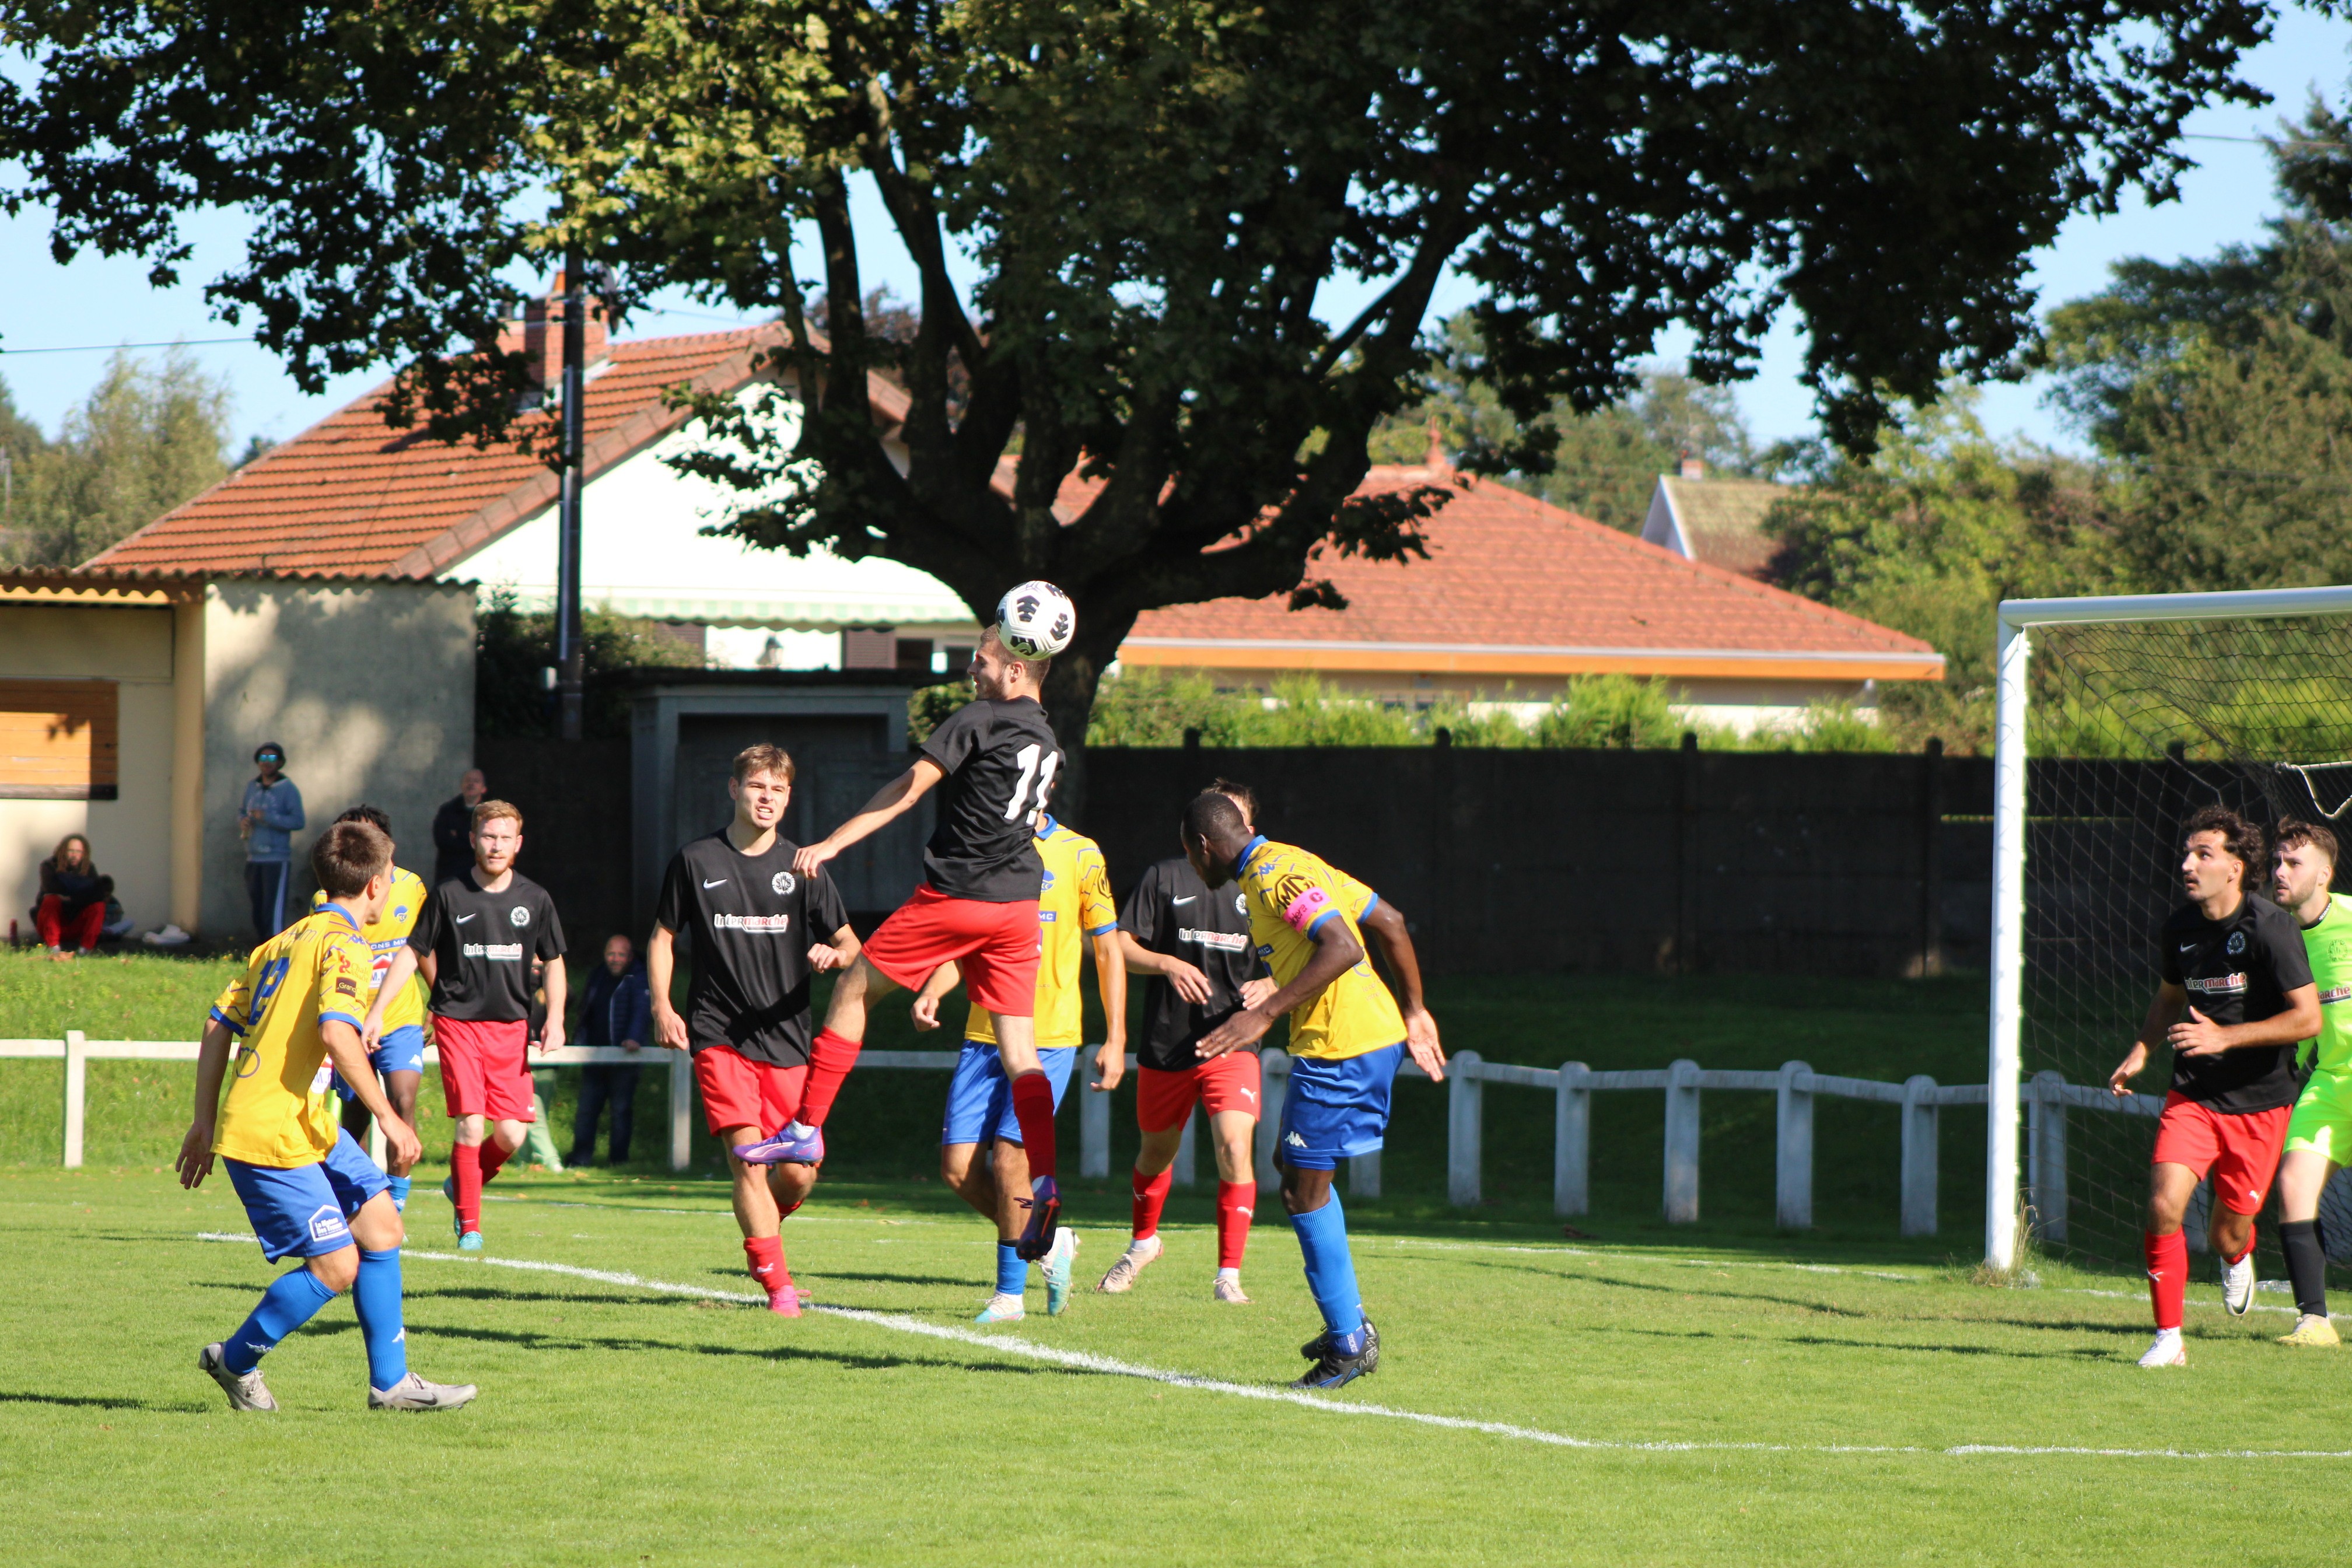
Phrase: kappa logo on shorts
(519,915)
(327,1223)
(783,882)
(1296,1142)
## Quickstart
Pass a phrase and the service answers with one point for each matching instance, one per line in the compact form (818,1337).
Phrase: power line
(109,347)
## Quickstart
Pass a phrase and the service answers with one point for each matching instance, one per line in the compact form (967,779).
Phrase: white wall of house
(643,554)
(130,837)
(370,688)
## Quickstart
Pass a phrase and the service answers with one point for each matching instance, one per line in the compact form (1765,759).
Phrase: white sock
(1234,1274)
(799,1128)
(1144,1244)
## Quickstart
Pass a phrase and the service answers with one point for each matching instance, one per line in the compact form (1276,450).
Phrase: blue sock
(1330,1270)
(1012,1274)
(376,1295)
(292,1300)
(399,1191)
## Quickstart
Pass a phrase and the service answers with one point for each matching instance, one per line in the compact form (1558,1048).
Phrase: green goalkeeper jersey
(2329,944)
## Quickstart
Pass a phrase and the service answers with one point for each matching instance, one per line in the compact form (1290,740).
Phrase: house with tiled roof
(1714,519)
(1518,597)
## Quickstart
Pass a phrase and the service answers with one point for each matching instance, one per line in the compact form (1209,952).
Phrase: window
(58,740)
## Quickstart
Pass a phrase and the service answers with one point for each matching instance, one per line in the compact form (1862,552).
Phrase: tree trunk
(1069,705)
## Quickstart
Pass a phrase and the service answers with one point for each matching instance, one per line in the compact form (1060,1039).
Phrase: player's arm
(891,802)
(2170,998)
(1110,981)
(395,981)
(1186,978)
(925,1009)
(839,954)
(558,981)
(1337,951)
(350,1059)
(195,1161)
(1386,923)
(2198,1036)
(661,956)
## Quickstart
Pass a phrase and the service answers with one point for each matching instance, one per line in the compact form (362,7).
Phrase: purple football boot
(783,1148)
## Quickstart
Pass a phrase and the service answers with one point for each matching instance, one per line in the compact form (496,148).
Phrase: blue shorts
(400,1051)
(980,1097)
(302,1210)
(1334,1111)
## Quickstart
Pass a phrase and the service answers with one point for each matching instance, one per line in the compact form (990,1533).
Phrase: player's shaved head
(349,855)
(1214,819)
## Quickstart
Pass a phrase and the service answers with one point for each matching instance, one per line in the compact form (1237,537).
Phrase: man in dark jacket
(452,825)
(616,1009)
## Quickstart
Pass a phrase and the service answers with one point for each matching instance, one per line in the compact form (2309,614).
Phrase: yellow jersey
(279,1110)
(1073,905)
(1290,895)
(387,937)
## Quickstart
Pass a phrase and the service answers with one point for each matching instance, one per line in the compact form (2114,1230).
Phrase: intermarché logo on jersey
(2220,984)
(496,951)
(771,924)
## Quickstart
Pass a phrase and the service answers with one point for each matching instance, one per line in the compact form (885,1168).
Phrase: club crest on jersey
(783,882)
(1049,881)
(519,915)
(2236,944)
(1241,904)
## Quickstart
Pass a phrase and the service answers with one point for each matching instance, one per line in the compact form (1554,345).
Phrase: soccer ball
(1036,620)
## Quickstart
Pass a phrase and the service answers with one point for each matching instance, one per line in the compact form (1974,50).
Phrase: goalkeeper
(2319,1135)
(2236,999)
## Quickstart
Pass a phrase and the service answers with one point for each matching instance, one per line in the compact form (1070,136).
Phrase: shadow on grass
(1616,1282)
(970,1283)
(98,1402)
(534,1340)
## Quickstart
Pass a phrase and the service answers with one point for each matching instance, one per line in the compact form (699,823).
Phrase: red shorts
(1229,1082)
(740,1092)
(995,946)
(484,1070)
(2242,1151)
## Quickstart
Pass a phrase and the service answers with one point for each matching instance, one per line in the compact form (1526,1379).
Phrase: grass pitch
(1678,1402)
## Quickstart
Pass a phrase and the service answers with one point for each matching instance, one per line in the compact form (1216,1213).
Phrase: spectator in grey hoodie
(272,809)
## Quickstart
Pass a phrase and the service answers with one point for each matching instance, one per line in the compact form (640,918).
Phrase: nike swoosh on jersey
(720,883)
(459,920)
(1185,900)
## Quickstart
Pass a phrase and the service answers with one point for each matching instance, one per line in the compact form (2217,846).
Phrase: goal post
(2241,697)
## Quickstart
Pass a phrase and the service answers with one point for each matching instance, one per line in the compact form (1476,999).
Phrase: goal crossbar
(2014,626)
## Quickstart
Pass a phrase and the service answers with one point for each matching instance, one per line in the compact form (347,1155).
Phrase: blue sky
(93,302)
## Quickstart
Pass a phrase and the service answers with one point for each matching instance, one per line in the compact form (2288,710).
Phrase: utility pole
(570,654)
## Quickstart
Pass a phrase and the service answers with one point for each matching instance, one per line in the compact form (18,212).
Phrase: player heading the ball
(993,764)
(310,1191)
(2235,998)
(759,929)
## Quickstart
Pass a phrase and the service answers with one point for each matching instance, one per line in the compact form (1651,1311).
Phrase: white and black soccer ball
(1036,620)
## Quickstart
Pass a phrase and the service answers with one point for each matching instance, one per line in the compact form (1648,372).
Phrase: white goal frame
(2014,642)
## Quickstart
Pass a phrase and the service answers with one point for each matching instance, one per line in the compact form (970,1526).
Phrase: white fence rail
(1794,1085)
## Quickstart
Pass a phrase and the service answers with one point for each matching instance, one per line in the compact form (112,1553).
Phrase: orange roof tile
(1515,585)
(351,497)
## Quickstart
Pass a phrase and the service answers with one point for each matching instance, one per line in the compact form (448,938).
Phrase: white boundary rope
(1084,1360)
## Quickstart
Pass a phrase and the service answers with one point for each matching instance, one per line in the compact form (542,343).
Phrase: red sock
(830,1056)
(1151,1197)
(1235,1200)
(1032,1102)
(765,1254)
(791,1208)
(2249,1248)
(494,1160)
(466,1161)
(2168,1276)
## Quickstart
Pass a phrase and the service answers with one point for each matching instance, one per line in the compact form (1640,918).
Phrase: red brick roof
(1516,585)
(352,498)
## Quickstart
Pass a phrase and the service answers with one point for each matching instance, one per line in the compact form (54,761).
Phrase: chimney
(1691,468)
(542,336)
(1434,459)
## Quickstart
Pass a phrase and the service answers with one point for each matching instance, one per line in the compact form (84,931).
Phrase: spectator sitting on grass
(616,1009)
(72,905)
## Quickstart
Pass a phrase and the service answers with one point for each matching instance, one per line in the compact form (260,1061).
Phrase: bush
(1608,710)
(512,647)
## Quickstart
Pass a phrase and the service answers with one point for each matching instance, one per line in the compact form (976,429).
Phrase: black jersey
(1172,911)
(2237,971)
(752,919)
(482,944)
(1000,758)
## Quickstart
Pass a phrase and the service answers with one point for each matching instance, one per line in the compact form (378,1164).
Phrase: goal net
(2118,718)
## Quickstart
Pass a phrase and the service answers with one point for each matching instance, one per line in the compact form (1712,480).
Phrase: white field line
(1082,1361)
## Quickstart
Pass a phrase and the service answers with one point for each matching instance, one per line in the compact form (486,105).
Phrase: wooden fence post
(1094,1131)
(1680,1204)
(1793,1163)
(2045,1154)
(76,1095)
(1571,1142)
(1464,1129)
(681,1109)
(1920,1114)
